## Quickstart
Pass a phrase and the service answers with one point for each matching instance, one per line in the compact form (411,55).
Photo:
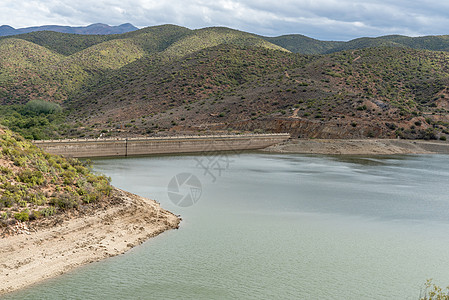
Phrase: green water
(279,227)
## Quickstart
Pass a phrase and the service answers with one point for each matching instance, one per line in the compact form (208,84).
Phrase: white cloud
(324,19)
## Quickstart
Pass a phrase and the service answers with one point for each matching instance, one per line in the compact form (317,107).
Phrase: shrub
(37,198)
(69,177)
(391,126)
(434,292)
(19,161)
(48,211)
(31,177)
(66,201)
(6,201)
(22,216)
(35,215)
(430,134)
(5,170)
(42,107)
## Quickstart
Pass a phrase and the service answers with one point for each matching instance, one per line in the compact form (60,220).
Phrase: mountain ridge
(169,79)
(297,43)
(92,29)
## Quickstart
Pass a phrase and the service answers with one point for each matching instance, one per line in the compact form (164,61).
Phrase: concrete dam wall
(157,145)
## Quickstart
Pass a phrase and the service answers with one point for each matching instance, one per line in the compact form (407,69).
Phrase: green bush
(22,216)
(5,170)
(36,198)
(42,107)
(69,177)
(6,201)
(31,177)
(434,292)
(35,214)
(65,201)
(48,211)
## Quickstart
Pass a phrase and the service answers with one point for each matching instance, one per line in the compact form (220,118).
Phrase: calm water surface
(279,227)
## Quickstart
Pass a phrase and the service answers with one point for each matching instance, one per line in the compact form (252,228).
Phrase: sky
(320,19)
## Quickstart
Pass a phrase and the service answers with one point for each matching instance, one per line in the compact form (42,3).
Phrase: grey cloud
(323,19)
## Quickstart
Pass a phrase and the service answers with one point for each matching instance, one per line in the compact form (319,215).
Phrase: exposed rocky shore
(34,254)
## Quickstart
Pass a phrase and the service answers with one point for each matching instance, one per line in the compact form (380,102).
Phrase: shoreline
(30,258)
(360,147)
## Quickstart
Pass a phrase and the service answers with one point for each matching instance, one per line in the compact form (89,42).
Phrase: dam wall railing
(106,147)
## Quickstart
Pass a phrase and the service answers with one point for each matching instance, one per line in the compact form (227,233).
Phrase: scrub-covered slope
(35,185)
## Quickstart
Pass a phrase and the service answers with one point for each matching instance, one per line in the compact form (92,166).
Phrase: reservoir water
(271,226)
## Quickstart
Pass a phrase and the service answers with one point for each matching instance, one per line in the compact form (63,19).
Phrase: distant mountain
(52,37)
(97,28)
(298,43)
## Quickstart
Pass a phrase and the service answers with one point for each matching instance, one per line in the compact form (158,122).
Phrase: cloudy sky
(321,19)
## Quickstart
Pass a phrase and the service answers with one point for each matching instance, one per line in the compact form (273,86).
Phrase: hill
(369,92)
(39,66)
(170,79)
(29,71)
(35,185)
(214,36)
(151,39)
(80,38)
(298,43)
(305,45)
(97,28)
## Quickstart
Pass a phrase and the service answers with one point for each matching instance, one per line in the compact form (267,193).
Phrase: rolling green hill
(214,36)
(298,43)
(151,39)
(62,43)
(226,86)
(301,44)
(166,79)
(158,38)
(434,43)
(107,55)
(40,70)
(24,71)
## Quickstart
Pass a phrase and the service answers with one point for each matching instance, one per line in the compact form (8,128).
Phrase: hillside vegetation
(369,92)
(301,44)
(35,120)
(152,38)
(40,70)
(298,43)
(35,185)
(170,79)
(211,37)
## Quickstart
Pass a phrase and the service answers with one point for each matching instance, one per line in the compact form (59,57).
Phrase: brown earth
(35,255)
(360,146)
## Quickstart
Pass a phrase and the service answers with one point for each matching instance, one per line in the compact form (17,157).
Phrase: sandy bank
(26,259)
(360,147)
